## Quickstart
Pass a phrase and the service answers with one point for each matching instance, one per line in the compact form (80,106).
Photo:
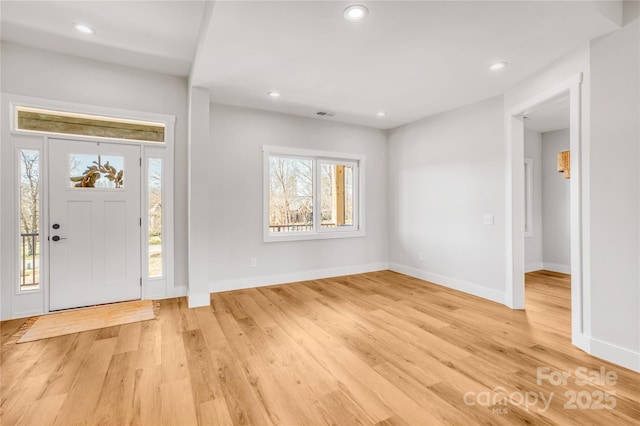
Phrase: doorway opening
(547,239)
(565,92)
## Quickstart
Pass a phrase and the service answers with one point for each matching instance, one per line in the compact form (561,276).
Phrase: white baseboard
(581,341)
(314,274)
(455,284)
(556,267)
(530,267)
(547,266)
(615,354)
(196,300)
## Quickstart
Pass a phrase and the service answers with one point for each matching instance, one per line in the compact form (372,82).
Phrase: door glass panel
(154,203)
(29,219)
(96,171)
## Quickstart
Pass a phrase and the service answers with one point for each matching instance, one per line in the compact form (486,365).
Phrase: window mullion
(316,195)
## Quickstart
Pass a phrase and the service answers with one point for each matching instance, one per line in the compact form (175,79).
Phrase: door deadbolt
(56,226)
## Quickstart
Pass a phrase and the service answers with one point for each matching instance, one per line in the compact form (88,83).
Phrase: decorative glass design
(96,171)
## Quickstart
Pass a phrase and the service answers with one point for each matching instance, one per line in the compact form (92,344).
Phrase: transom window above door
(68,123)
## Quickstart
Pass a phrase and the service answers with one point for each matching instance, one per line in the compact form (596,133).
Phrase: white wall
(37,73)
(445,173)
(615,190)
(610,186)
(235,200)
(549,247)
(556,217)
(198,166)
(533,243)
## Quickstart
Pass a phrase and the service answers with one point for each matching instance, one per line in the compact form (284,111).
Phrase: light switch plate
(488,219)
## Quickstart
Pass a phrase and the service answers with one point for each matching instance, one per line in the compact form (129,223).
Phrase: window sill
(304,236)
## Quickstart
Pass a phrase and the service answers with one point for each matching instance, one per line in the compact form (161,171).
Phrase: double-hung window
(312,194)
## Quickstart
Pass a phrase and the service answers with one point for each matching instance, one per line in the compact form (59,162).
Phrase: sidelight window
(154,206)
(29,204)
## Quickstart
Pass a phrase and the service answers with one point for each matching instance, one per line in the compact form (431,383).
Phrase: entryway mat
(84,319)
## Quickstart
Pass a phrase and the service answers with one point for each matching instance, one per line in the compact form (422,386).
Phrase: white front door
(94,226)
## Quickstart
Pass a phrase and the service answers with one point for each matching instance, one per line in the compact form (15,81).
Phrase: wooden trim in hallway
(376,348)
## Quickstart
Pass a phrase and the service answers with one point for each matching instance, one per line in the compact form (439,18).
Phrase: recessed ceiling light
(274,94)
(498,66)
(355,12)
(84,29)
(381,114)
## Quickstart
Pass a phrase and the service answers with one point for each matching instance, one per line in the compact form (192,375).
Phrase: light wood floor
(378,348)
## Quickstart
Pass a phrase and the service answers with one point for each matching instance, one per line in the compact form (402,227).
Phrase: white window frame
(154,155)
(159,286)
(317,208)
(29,145)
(357,161)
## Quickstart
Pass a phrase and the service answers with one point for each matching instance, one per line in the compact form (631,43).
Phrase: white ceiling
(550,116)
(411,59)
(154,35)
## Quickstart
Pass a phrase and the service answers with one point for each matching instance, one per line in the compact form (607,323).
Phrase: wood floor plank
(201,370)
(115,403)
(177,407)
(149,351)
(244,405)
(129,337)
(371,349)
(147,401)
(343,410)
(215,413)
(23,359)
(12,408)
(65,374)
(420,392)
(43,412)
(85,391)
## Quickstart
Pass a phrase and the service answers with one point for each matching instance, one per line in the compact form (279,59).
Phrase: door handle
(57,238)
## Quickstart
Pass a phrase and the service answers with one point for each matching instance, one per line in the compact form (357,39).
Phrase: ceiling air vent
(325,114)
